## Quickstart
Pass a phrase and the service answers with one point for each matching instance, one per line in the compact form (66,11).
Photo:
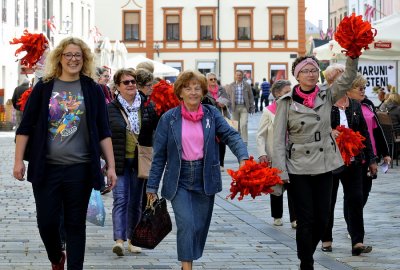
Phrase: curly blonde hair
(184,79)
(393,98)
(359,81)
(53,60)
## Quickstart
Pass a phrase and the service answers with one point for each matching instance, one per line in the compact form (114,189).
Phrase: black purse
(154,225)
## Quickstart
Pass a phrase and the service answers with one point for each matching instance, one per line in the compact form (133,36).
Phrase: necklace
(342,105)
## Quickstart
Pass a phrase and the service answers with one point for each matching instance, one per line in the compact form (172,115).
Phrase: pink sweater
(192,140)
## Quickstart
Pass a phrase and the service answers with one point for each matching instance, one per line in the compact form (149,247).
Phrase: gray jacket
(309,148)
(247,94)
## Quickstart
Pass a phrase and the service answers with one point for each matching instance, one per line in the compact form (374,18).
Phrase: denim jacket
(167,151)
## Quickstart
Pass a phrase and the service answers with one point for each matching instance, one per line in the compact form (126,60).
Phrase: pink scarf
(192,116)
(213,91)
(272,107)
(309,99)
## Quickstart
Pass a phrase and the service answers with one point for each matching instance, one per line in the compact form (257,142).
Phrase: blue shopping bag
(96,213)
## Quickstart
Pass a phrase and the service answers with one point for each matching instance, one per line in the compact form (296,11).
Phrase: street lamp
(157,48)
(67,23)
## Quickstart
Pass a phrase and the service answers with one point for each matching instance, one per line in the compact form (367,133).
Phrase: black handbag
(154,225)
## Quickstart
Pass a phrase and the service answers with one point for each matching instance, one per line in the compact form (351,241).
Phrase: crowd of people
(76,116)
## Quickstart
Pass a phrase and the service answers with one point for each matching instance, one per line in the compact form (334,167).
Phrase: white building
(260,37)
(68,17)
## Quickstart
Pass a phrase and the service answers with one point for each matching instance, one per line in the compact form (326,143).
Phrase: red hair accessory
(34,45)
(163,97)
(353,34)
(253,178)
(350,143)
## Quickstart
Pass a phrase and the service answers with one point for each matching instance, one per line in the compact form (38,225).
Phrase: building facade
(259,37)
(55,18)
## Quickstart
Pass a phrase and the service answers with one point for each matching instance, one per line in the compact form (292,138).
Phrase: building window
(244,27)
(26,14)
(17,13)
(278,27)
(89,19)
(36,15)
(172,27)
(44,15)
(132,26)
(206,27)
(4,11)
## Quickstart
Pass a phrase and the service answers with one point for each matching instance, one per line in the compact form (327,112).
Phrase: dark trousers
(265,100)
(277,204)
(351,179)
(65,187)
(367,183)
(222,150)
(312,199)
(256,104)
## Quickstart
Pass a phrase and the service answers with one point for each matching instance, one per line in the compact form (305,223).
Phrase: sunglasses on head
(127,82)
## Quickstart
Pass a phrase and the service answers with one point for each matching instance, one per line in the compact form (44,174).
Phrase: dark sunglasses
(127,82)
(212,79)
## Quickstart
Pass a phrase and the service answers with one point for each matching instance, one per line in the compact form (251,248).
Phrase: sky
(317,10)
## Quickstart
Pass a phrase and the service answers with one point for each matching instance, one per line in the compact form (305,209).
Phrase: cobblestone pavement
(241,236)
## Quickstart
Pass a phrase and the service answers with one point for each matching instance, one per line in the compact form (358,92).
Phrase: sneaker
(133,249)
(60,265)
(278,222)
(118,249)
(294,224)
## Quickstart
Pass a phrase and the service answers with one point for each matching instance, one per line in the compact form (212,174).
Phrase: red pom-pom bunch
(163,97)
(24,98)
(33,44)
(353,34)
(253,178)
(350,143)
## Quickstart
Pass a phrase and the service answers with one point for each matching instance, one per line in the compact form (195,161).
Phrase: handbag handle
(128,125)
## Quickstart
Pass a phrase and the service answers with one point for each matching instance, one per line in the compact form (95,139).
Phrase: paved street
(241,235)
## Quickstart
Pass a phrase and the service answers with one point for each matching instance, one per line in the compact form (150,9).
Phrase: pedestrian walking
(66,124)
(256,94)
(18,91)
(264,139)
(305,152)
(186,158)
(242,102)
(265,87)
(103,78)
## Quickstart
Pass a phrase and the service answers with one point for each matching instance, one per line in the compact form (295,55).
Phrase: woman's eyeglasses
(308,71)
(127,82)
(213,79)
(69,56)
(361,88)
(106,76)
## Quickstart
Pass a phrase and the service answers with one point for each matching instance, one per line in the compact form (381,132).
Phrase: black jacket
(356,122)
(35,124)
(148,124)
(19,90)
(382,148)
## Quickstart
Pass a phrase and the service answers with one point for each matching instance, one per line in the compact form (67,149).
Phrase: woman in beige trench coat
(305,151)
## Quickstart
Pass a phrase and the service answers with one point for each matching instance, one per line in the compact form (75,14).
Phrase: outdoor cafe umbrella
(160,69)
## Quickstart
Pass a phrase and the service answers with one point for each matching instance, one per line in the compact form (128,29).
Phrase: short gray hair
(278,86)
(209,74)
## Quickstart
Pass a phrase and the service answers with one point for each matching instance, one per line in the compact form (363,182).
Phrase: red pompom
(253,178)
(34,45)
(24,98)
(163,97)
(350,143)
(353,34)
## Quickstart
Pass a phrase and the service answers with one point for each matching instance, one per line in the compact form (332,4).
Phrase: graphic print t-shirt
(68,136)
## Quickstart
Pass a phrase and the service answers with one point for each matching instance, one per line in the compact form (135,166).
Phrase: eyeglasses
(361,88)
(308,71)
(213,79)
(127,82)
(148,85)
(69,56)
(105,76)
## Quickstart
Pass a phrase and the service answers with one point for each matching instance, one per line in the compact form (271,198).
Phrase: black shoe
(356,251)
(326,249)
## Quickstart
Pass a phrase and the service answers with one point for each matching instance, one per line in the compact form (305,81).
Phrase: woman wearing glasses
(66,123)
(305,151)
(127,119)
(103,78)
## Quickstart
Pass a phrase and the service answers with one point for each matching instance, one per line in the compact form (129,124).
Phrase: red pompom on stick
(353,34)
(253,178)
(163,97)
(350,143)
(33,44)
(24,98)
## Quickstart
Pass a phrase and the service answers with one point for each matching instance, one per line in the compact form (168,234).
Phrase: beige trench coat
(309,149)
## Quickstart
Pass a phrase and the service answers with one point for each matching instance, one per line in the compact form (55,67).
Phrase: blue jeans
(65,187)
(127,205)
(193,210)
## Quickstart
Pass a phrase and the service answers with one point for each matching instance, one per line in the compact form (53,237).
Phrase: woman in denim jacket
(186,157)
